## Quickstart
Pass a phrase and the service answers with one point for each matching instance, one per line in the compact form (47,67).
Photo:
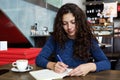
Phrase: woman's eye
(73,22)
(64,23)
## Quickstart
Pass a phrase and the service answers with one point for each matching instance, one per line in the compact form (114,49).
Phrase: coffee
(21,64)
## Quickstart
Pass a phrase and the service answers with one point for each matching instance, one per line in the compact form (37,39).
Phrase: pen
(59,58)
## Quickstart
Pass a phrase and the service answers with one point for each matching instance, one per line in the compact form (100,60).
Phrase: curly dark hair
(83,35)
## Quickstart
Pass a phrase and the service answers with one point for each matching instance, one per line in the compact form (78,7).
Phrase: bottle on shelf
(36,30)
(32,31)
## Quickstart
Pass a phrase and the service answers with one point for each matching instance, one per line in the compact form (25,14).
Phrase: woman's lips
(70,31)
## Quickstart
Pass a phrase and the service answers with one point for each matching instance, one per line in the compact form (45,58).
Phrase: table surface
(103,75)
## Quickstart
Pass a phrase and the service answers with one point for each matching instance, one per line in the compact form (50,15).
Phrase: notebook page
(46,74)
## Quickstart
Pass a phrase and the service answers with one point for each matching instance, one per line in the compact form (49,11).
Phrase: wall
(25,14)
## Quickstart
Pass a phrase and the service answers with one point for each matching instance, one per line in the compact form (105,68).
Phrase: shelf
(104,24)
(105,35)
(39,35)
(116,33)
(103,30)
(106,45)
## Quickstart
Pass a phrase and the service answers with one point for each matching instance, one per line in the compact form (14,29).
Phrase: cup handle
(14,64)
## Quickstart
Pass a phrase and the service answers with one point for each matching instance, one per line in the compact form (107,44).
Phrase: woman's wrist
(51,65)
(92,67)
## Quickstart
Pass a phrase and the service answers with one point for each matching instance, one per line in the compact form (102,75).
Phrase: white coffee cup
(21,64)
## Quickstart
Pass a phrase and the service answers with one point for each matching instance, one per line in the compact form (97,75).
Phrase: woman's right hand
(60,67)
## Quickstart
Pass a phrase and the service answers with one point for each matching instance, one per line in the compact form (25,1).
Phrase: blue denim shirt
(101,61)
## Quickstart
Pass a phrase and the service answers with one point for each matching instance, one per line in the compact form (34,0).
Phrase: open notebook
(46,74)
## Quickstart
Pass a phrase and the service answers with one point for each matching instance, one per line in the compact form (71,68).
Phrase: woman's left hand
(83,69)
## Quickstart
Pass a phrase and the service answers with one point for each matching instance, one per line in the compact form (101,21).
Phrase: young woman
(73,41)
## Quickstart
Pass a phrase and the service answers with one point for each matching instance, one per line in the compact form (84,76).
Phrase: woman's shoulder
(94,41)
(51,39)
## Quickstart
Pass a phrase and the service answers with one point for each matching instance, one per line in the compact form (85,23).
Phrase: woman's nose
(69,25)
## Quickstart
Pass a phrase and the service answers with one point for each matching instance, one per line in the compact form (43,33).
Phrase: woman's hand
(60,67)
(83,69)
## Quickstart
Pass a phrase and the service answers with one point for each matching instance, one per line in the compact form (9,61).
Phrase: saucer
(29,68)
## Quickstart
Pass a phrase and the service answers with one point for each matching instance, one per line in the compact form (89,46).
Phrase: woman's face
(69,25)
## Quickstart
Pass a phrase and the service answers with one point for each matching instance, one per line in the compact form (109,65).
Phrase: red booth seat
(12,54)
